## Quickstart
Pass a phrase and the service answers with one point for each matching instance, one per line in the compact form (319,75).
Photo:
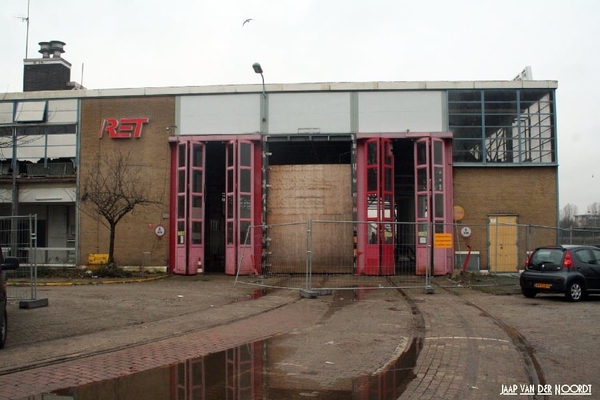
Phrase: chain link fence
(19,239)
(334,255)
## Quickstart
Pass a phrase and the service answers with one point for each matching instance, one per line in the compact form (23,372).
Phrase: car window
(544,258)
(595,256)
(584,255)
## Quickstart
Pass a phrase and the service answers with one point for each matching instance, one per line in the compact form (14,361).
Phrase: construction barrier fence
(19,239)
(318,255)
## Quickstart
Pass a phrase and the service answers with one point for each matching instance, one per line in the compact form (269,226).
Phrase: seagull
(246,21)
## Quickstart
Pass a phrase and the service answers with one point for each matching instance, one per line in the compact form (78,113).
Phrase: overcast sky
(149,43)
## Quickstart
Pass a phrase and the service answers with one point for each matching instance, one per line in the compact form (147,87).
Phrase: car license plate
(542,285)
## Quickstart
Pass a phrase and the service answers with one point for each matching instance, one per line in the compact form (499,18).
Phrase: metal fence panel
(18,238)
(284,261)
(324,255)
(329,255)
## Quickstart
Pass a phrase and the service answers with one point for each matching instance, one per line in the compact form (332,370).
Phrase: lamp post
(265,162)
(258,69)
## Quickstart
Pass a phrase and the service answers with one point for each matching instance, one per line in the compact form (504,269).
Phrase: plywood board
(299,193)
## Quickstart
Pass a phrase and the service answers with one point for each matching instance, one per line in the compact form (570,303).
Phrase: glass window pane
(387,233)
(244,225)
(181,181)
(467,150)
(197,232)
(245,181)
(372,153)
(387,208)
(197,207)
(197,155)
(181,232)
(466,120)
(180,207)
(464,96)
(230,207)
(197,181)
(181,155)
(438,153)
(439,178)
(421,179)
(439,205)
(387,153)
(422,206)
(230,181)
(245,150)
(245,207)
(229,232)
(230,155)
(421,153)
(439,228)
(373,239)
(423,233)
(372,179)
(388,179)
(372,210)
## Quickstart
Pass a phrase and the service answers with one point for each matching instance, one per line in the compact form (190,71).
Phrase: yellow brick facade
(135,232)
(529,193)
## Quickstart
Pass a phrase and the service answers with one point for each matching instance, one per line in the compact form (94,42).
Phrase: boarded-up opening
(299,193)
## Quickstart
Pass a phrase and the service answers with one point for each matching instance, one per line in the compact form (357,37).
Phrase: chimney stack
(51,72)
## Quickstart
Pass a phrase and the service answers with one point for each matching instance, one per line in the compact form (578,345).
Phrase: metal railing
(332,255)
(18,236)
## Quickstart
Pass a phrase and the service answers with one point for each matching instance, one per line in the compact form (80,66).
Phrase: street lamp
(258,69)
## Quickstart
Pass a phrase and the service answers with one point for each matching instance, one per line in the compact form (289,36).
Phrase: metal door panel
(376,241)
(189,248)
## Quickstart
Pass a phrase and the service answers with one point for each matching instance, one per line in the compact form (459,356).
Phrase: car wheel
(574,291)
(529,293)
(3,329)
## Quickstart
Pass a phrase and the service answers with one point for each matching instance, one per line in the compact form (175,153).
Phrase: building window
(41,150)
(502,126)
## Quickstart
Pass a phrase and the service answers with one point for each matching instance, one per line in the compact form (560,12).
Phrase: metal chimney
(44,49)
(57,48)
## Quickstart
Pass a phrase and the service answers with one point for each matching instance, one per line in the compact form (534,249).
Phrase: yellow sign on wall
(442,241)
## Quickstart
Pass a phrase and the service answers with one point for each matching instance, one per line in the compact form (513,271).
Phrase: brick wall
(528,193)
(134,233)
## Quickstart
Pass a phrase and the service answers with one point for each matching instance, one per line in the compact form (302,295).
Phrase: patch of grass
(112,271)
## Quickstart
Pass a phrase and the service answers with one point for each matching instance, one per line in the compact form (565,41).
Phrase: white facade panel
(62,111)
(6,113)
(309,112)
(48,194)
(30,111)
(218,114)
(417,111)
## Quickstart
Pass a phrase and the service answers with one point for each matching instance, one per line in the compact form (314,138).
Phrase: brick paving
(465,354)
(122,362)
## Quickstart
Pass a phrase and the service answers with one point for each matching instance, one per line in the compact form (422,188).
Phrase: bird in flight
(247,21)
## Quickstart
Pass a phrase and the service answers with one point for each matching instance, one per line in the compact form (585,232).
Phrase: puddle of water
(242,372)
(257,294)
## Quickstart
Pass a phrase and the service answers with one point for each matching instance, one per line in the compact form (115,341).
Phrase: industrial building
(390,164)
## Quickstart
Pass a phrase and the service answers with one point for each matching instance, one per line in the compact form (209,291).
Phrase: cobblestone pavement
(466,339)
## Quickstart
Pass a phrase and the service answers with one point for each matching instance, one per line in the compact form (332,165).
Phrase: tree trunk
(111,245)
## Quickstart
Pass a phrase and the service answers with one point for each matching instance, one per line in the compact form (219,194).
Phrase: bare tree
(113,188)
(567,216)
